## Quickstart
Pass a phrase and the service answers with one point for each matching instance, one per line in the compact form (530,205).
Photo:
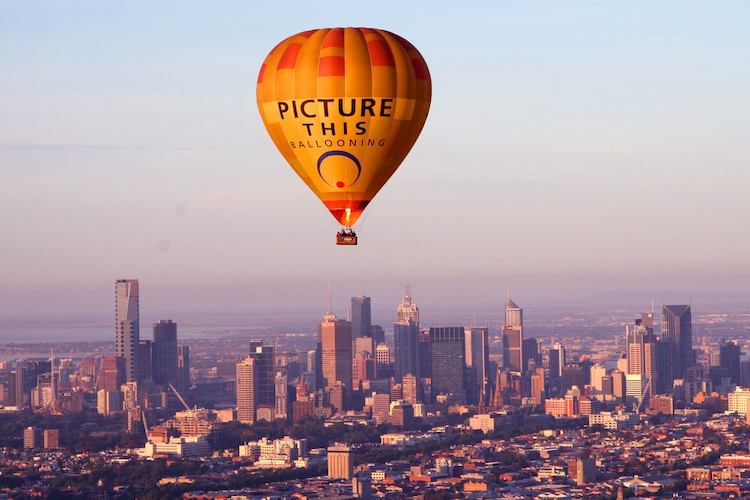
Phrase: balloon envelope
(344,106)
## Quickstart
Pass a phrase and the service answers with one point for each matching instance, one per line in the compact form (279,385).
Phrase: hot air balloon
(344,106)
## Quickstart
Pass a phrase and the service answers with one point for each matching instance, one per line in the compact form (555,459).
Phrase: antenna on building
(407,288)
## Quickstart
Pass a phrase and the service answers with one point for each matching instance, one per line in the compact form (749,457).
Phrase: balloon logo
(344,106)
(339,169)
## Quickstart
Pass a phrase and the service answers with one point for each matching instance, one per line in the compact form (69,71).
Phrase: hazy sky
(571,148)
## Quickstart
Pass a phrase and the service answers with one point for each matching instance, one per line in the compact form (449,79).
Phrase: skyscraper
(265,373)
(729,357)
(127,326)
(336,351)
(145,368)
(677,328)
(164,353)
(246,391)
(406,343)
(641,353)
(556,361)
(513,336)
(477,352)
(361,316)
(183,369)
(407,310)
(532,351)
(448,350)
(111,374)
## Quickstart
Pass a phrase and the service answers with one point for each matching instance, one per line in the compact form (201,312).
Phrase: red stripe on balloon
(289,58)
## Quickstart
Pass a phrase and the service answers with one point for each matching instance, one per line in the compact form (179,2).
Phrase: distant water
(96,333)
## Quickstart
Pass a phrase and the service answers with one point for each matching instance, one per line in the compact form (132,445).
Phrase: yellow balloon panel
(344,106)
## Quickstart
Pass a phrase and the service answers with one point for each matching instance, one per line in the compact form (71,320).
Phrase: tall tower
(642,359)
(407,310)
(164,353)
(246,391)
(513,336)
(336,350)
(677,328)
(477,352)
(361,316)
(127,326)
(448,360)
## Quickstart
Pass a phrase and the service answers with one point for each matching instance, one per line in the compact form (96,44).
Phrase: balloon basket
(346,237)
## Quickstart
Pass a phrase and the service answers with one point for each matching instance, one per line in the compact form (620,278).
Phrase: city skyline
(604,122)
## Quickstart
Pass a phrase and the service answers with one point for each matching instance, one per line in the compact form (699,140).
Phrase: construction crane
(145,424)
(182,400)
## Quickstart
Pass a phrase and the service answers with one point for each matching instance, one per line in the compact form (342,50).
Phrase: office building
(281,384)
(477,356)
(51,439)
(336,351)
(532,354)
(636,390)
(410,389)
(405,349)
(512,334)
(32,438)
(111,373)
(164,353)
(598,372)
(677,328)
(246,390)
(361,316)
(447,345)
(145,368)
(127,326)
(340,462)
(664,379)
(729,359)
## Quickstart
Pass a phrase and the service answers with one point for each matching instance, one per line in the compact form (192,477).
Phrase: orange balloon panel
(344,106)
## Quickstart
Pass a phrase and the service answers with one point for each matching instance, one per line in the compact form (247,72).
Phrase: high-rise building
(246,390)
(407,311)
(677,328)
(377,334)
(729,357)
(532,353)
(361,316)
(127,326)
(264,375)
(424,354)
(51,439)
(183,369)
(22,380)
(164,353)
(618,384)
(405,346)
(340,463)
(336,351)
(448,349)
(636,392)
(145,367)
(556,364)
(641,353)
(537,386)
(111,373)
(477,355)
(410,389)
(598,372)
(32,438)
(282,396)
(512,332)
